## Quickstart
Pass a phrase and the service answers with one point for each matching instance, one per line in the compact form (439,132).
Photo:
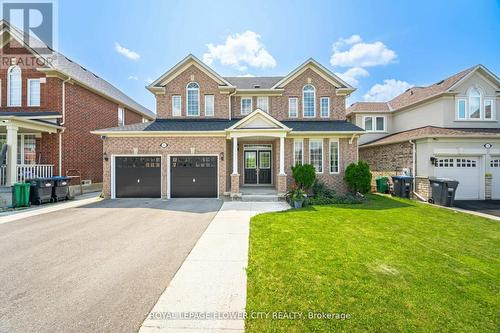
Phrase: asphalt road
(97,268)
(491,207)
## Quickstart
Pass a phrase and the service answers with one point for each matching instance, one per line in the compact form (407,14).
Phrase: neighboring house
(48,106)
(450,129)
(217,136)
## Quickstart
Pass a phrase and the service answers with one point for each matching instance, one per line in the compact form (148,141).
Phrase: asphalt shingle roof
(263,82)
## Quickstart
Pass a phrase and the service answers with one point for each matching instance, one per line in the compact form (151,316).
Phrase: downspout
(63,109)
(231,95)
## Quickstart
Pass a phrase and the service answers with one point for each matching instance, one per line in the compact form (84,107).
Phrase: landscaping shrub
(304,176)
(358,177)
(349,198)
(322,190)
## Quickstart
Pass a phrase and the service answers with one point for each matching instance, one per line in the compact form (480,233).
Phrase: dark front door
(193,176)
(257,166)
(264,167)
(138,177)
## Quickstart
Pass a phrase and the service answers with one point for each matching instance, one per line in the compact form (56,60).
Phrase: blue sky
(381,46)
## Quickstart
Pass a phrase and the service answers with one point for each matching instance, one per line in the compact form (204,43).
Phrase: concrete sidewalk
(14,215)
(212,279)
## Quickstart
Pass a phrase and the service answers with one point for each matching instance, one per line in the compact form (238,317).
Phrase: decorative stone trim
(423,187)
(235,186)
(488,182)
(282,185)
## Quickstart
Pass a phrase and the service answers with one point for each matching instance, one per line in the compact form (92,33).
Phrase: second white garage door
(464,169)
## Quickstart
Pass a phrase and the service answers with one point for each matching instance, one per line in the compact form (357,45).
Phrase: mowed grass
(391,264)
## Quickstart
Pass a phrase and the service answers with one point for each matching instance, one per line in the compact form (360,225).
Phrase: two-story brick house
(48,106)
(217,135)
(450,129)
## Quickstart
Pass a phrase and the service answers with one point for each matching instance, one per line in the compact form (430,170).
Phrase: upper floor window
(374,123)
(263,103)
(209,105)
(246,105)
(121,116)
(193,99)
(309,101)
(475,106)
(33,92)
(176,105)
(14,86)
(324,112)
(293,103)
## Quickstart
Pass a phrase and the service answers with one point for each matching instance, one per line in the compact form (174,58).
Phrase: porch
(21,157)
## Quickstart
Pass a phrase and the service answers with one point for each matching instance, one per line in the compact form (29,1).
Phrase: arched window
(474,103)
(14,86)
(309,101)
(193,99)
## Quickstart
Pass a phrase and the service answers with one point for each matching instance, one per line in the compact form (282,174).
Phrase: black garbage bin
(40,190)
(443,191)
(60,191)
(403,186)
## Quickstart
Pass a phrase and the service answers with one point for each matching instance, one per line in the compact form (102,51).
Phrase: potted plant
(296,197)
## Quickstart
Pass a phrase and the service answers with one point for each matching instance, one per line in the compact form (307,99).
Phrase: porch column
(282,156)
(235,156)
(11,154)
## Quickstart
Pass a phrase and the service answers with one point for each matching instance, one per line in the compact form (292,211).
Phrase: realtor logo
(36,20)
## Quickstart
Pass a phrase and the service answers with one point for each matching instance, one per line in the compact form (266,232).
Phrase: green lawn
(391,264)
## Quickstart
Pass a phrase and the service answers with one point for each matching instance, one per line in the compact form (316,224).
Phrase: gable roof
(258,113)
(58,62)
(190,58)
(368,107)
(311,63)
(256,82)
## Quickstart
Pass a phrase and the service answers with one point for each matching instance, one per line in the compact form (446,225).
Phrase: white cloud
(246,75)
(126,52)
(360,54)
(352,74)
(386,91)
(240,51)
(133,77)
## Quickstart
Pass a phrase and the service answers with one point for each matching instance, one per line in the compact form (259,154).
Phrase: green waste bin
(382,184)
(21,195)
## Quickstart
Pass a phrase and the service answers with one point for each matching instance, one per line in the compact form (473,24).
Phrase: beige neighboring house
(235,136)
(449,129)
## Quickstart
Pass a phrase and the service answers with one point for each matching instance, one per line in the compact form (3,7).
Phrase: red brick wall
(132,117)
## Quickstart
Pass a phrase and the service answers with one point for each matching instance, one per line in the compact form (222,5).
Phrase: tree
(304,176)
(358,177)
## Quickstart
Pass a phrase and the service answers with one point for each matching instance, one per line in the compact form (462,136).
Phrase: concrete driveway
(491,207)
(94,268)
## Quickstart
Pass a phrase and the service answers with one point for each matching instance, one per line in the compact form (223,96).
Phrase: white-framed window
(33,92)
(298,152)
(26,147)
(193,99)
(316,154)
(465,163)
(445,163)
(334,156)
(293,106)
(14,86)
(263,103)
(309,101)
(461,109)
(495,163)
(475,106)
(209,105)
(374,123)
(145,120)
(324,111)
(121,116)
(176,105)
(246,105)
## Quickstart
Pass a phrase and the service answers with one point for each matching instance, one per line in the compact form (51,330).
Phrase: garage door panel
(193,177)
(464,169)
(138,177)
(495,177)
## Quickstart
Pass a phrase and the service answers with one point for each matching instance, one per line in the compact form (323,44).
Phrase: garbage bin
(443,191)
(60,191)
(382,184)
(403,186)
(41,190)
(21,195)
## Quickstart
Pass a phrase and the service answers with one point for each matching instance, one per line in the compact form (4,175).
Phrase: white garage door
(464,169)
(495,173)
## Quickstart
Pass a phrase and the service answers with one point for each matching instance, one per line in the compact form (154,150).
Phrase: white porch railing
(27,171)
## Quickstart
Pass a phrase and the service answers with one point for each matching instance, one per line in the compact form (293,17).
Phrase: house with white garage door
(450,129)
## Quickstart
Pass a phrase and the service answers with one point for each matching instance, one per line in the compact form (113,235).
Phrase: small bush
(322,190)
(304,176)
(358,177)
(347,199)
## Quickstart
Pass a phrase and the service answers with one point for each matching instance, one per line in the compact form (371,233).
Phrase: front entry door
(257,165)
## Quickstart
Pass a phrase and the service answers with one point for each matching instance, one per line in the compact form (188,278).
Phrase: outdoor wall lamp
(433,160)
(105,155)
(222,156)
